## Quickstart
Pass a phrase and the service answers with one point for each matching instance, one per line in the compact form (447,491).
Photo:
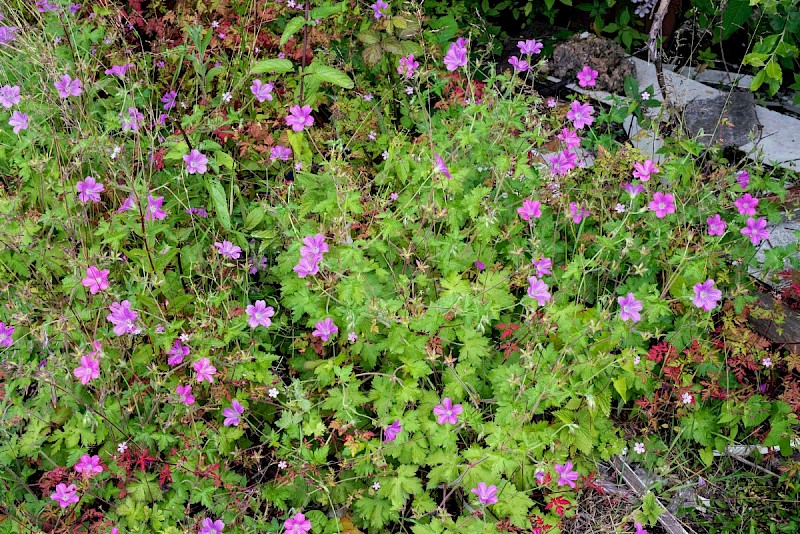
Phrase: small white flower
(636,360)
(226,97)
(409,90)
(767,362)
(385,154)
(638,448)
(214,24)
(185,338)
(372,136)
(645,95)
(282,465)
(376,486)
(687,398)
(122,447)
(352,337)
(273,393)
(624,451)
(368,97)
(619,208)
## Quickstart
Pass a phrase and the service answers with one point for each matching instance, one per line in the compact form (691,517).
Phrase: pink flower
(578,213)
(662,204)
(531,46)
(407,66)
(89,466)
(747,204)
(209,526)
(195,162)
(313,246)
(743,177)
(259,314)
(390,432)
(542,265)
(447,412)
(19,121)
(325,329)
(520,65)
(639,528)
(379,9)
(280,152)
(68,87)
(118,70)
(299,118)
(716,226)
(185,394)
(204,370)
(643,171)
(756,230)
(96,280)
(5,335)
(297,524)
(530,208)
(580,114)
(65,495)
(123,318)
(177,352)
(232,414)
(89,369)
(538,291)
(126,205)
(633,189)
(441,167)
(629,308)
(307,266)
(456,55)
(587,77)
(566,475)
(89,189)
(262,91)
(570,138)
(563,162)
(154,211)
(9,96)
(706,296)
(228,249)
(169,100)
(486,494)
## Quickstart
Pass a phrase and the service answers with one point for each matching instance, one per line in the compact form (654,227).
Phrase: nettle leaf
(220,202)
(291,28)
(278,66)
(330,75)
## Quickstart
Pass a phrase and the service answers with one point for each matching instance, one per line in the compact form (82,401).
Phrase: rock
(727,119)
(603,55)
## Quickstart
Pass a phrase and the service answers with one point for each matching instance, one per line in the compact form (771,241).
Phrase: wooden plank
(787,334)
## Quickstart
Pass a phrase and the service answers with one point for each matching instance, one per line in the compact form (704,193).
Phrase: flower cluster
(314,246)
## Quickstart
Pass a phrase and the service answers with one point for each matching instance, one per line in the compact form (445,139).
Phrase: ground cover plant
(270,267)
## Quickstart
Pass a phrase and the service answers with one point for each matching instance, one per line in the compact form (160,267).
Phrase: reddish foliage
(165,475)
(660,351)
(559,504)
(52,478)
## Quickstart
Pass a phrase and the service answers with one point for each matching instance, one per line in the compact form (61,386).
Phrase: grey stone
(727,119)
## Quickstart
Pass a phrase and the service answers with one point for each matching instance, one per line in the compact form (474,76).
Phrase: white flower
(273,393)
(636,360)
(619,208)
(282,465)
(645,95)
(214,24)
(226,97)
(687,398)
(767,362)
(385,154)
(185,338)
(122,447)
(376,486)
(638,448)
(624,451)
(409,90)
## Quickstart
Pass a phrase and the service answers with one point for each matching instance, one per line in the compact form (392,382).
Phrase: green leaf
(758,79)
(331,75)
(279,66)
(291,28)
(774,70)
(254,218)
(736,13)
(220,202)
(322,12)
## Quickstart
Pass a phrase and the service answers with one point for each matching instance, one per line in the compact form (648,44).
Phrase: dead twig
(654,48)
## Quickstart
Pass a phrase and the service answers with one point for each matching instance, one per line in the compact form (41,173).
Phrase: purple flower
(154,211)
(479,265)
(639,528)
(297,524)
(662,204)
(716,226)
(520,65)
(530,208)
(563,162)
(259,314)
(486,494)
(313,246)
(706,296)
(176,353)
(743,177)
(580,114)
(228,249)
(185,394)
(570,138)
(456,55)
(578,213)
(68,87)
(88,369)
(195,162)
(643,171)
(5,335)
(96,279)
(633,189)
(447,412)
(232,414)
(407,66)
(587,77)
(123,318)
(9,96)
(280,152)
(542,265)
(126,205)
(89,466)
(325,329)
(629,308)
(209,526)
(7,34)
(747,204)
(204,370)
(299,118)
(390,432)
(440,166)
(262,91)
(118,70)
(89,189)
(132,122)
(169,100)
(307,265)
(566,475)
(379,9)
(531,46)
(756,230)
(65,495)
(538,291)
(19,121)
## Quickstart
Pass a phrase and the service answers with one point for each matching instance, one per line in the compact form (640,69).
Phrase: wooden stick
(654,50)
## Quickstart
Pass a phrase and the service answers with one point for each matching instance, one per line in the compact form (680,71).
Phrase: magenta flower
(298,524)
(19,121)
(228,249)
(232,414)
(169,99)
(747,204)
(447,412)
(313,246)
(209,526)
(440,166)
(538,291)
(587,77)
(5,335)
(629,308)
(89,466)
(280,152)
(325,329)
(9,96)
(639,529)
(566,475)
(456,55)
(65,495)
(743,177)
(299,118)
(633,189)
(520,65)
(123,318)
(542,265)
(578,213)
(262,91)
(177,352)
(185,394)
(195,162)
(259,314)
(68,87)
(132,122)
(407,66)
(89,369)
(570,138)
(486,494)
(580,114)
(7,34)
(531,46)
(118,70)
(530,208)
(706,296)
(307,266)
(662,204)
(716,226)
(96,280)
(390,432)
(204,370)
(154,211)
(756,230)
(89,189)
(379,9)
(563,162)
(126,205)
(643,171)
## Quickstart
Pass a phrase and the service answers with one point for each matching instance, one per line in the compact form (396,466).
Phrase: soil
(601,54)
